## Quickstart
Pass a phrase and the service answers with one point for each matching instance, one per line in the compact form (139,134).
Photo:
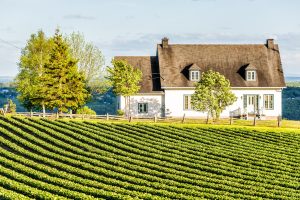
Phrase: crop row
(72,165)
(161,185)
(101,160)
(191,153)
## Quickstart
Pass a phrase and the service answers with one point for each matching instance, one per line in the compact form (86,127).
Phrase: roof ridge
(212,44)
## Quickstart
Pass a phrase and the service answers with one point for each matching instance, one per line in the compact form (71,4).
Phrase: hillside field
(47,159)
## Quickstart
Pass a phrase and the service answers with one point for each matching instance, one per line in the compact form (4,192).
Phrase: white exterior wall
(154,101)
(174,102)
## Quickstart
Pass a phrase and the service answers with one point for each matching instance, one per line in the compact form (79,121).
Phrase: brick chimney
(165,42)
(270,43)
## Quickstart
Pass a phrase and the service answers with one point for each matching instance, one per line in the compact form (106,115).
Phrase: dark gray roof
(229,60)
(171,65)
(149,67)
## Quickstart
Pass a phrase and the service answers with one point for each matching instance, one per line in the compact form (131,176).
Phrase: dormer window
(250,72)
(194,73)
(251,75)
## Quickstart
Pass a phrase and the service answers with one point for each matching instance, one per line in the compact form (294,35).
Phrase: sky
(134,27)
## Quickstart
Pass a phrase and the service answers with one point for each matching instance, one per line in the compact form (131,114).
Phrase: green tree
(11,107)
(64,85)
(125,80)
(90,61)
(212,94)
(31,68)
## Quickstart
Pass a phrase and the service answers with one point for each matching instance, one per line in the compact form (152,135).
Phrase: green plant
(11,106)
(212,94)
(86,110)
(120,112)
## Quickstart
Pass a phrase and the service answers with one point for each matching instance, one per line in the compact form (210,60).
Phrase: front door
(251,103)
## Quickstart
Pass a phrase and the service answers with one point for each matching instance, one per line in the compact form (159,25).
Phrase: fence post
(230,120)
(254,120)
(155,118)
(57,115)
(130,118)
(107,116)
(183,118)
(279,121)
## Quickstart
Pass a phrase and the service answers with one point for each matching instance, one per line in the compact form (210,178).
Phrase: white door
(252,103)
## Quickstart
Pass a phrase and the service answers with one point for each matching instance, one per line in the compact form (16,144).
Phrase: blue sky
(134,27)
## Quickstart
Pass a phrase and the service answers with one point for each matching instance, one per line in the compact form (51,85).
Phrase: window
(187,102)
(251,75)
(269,101)
(194,75)
(142,107)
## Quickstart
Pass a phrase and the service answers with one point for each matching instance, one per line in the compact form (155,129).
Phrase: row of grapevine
(46,159)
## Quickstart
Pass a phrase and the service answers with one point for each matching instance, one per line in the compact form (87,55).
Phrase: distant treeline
(293,84)
(106,103)
(100,103)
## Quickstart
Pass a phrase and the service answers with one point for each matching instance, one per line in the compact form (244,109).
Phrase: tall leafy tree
(31,68)
(212,94)
(65,86)
(125,80)
(90,61)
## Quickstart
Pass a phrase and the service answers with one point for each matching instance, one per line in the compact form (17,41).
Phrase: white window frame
(251,75)
(142,108)
(269,101)
(194,75)
(187,102)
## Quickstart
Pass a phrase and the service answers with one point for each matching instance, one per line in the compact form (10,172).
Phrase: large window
(142,107)
(269,101)
(195,75)
(187,105)
(251,75)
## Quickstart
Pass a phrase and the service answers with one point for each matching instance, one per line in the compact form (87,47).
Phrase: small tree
(64,85)
(212,94)
(10,107)
(31,68)
(90,61)
(125,80)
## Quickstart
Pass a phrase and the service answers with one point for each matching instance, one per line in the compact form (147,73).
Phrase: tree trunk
(207,118)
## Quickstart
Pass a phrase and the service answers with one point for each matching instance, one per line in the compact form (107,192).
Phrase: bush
(86,110)
(10,107)
(120,112)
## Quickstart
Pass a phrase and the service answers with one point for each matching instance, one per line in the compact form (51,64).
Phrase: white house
(254,71)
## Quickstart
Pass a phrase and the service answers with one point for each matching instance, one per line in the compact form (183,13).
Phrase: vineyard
(46,159)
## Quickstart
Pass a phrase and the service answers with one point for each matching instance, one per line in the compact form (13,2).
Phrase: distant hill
(6,79)
(292,78)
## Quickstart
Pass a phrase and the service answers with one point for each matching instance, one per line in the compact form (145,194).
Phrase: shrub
(120,112)
(86,110)
(10,107)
